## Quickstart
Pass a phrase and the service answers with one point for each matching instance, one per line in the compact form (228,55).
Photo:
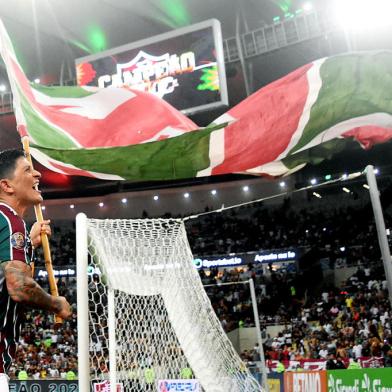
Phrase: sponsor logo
(362,383)
(223,262)
(62,272)
(178,385)
(306,382)
(275,256)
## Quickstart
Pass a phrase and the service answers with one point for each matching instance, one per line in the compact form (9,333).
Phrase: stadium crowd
(340,324)
(46,350)
(321,322)
(257,228)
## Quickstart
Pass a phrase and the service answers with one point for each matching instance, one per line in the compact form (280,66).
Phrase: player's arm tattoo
(23,288)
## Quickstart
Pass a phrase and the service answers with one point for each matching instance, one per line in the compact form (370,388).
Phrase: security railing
(295,29)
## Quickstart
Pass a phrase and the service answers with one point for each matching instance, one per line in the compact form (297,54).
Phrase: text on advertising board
(178,385)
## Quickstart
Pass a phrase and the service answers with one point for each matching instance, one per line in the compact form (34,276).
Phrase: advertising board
(360,380)
(311,381)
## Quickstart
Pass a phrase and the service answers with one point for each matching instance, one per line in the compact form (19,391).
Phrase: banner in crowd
(43,386)
(320,364)
(305,381)
(104,386)
(372,362)
(360,380)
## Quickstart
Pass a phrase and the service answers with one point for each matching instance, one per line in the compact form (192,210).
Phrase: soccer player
(18,193)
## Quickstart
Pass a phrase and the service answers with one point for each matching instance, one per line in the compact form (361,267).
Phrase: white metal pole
(112,340)
(258,333)
(257,323)
(82,303)
(241,54)
(380,225)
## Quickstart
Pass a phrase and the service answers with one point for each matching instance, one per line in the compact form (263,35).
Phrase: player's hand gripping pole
(44,237)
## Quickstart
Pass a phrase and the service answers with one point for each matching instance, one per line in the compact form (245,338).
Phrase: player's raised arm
(18,193)
(23,289)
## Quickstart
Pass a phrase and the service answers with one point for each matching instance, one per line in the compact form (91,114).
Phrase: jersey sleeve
(5,239)
(13,241)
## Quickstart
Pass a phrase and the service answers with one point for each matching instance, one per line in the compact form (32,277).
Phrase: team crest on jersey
(18,240)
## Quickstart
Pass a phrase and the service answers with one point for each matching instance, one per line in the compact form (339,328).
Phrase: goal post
(145,311)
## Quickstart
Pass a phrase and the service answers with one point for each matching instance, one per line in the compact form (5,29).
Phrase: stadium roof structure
(49,35)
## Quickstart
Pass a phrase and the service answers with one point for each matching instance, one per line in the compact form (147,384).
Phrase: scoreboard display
(185,67)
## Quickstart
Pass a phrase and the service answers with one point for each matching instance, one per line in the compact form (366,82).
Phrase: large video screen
(185,67)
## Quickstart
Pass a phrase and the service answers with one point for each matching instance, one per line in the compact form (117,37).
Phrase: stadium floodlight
(308,6)
(313,181)
(282,184)
(72,206)
(43,208)
(376,171)
(360,15)
(213,192)
(156,197)
(2,88)
(101,204)
(245,188)
(342,248)
(124,200)
(186,195)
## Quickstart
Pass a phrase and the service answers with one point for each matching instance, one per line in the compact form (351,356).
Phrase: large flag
(308,115)
(85,117)
(118,133)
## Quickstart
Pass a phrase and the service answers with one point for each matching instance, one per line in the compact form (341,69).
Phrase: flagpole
(380,225)
(44,237)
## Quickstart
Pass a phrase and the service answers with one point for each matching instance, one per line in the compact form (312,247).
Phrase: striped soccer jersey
(14,245)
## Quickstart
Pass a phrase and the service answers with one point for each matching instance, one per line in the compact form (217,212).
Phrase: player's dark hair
(8,160)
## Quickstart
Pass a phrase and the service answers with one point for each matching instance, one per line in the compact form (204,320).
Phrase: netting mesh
(165,327)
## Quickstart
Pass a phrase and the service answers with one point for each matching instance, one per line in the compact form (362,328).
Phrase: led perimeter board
(185,67)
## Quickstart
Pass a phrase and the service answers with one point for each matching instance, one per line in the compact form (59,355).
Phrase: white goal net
(143,314)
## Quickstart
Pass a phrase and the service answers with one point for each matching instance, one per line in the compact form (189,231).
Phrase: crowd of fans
(258,228)
(339,325)
(321,321)
(46,350)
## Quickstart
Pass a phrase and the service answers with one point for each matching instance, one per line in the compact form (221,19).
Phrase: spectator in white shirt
(323,353)
(357,350)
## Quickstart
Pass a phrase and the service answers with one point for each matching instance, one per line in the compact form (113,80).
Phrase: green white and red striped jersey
(15,244)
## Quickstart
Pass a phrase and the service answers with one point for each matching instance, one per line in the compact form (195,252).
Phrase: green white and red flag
(118,133)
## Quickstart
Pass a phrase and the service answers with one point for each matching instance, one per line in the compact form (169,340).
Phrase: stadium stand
(325,322)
